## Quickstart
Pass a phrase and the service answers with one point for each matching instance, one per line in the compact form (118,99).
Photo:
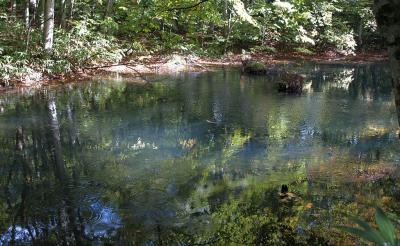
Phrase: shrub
(81,46)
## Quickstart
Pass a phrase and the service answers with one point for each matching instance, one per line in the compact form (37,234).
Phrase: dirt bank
(177,63)
(138,67)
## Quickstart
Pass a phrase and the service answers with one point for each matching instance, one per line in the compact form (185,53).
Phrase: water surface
(198,158)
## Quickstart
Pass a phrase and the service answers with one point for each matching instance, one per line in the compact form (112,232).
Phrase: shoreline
(142,66)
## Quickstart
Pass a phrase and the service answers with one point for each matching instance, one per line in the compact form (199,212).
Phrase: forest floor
(141,66)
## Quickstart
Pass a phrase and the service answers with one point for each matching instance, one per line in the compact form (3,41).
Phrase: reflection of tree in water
(370,81)
(50,207)
(212,155)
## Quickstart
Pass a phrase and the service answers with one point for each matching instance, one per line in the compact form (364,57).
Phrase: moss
(253,67)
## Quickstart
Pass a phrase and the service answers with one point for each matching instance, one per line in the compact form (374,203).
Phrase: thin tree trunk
(388,18)
(26,13)
(71,12)
(63,13)
(40,13)
(109,7)
(360,38)
(13,8)
(48,29)
(33,7)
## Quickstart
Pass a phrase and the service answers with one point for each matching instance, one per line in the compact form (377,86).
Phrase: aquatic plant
(384,236)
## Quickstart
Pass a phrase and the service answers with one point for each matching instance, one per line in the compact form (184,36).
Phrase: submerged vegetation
(385,235)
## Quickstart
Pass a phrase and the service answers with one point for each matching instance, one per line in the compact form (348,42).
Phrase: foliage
(241,225)
(265,48)
(303,51)
(207,28)
(82,46)
(384,236)
(76,48)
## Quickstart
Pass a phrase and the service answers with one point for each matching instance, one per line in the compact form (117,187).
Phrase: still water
(199,159)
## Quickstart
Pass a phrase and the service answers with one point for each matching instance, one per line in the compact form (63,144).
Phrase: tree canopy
(63,35)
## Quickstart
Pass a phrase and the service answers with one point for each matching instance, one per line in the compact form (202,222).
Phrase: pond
(199,158)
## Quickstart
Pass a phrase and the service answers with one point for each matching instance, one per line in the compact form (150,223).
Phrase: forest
(44,38)
(200,122)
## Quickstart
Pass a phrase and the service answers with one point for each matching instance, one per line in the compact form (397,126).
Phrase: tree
(39,13)
(388,19)
(26,13)
(63,13)
(70,8)
(48,29)
(109,7)
(13,8)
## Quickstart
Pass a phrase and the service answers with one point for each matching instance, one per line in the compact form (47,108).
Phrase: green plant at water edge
(384,236)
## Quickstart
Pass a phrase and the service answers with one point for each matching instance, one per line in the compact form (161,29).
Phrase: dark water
(198,159)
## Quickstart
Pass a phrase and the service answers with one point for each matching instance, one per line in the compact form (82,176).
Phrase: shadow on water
(199,159)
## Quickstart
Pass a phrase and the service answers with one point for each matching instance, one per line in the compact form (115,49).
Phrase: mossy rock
(253,67)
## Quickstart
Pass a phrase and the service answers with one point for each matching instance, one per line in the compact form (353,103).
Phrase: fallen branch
(187,7)
(140,74)
(127,65)
(111,65)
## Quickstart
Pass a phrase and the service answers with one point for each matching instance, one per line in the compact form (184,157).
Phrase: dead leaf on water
(308,205)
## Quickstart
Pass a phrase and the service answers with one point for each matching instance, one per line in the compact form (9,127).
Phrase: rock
(177,63)
(32,78)
(291,83)
(253,67)
(144,58)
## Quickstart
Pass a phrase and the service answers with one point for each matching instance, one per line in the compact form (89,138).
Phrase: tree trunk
(360,38)
(40,13)
(63,13)
(388,18)
(33,8)
(48,29)
(26,13)
(13,8)
(70,8)
(109,7)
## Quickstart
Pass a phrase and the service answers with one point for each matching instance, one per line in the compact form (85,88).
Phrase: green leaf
(370,235)
(386,227)
(360,222)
